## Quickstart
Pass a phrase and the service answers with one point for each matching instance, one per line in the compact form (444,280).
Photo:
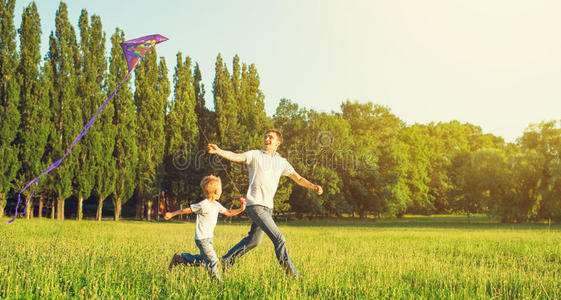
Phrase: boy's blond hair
(209,184)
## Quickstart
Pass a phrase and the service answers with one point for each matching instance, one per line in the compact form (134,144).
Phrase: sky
(492,63)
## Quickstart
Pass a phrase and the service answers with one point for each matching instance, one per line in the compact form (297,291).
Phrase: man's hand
(212,148)
(318,189)
(168,216)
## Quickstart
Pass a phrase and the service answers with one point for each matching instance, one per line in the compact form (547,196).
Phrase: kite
(134,52)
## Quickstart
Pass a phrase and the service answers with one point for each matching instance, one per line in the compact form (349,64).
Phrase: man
(265,168)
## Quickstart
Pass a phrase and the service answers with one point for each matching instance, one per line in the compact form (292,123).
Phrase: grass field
(414,257)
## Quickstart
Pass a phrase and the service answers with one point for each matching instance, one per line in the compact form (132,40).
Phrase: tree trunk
(29,209)
(181,208)
(117,204)
(99,212)
(1,205)
(60,208)
(52,209)
(40,212)
(148,210)
(139,203)
(80,214)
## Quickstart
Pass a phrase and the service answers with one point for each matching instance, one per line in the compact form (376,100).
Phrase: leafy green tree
(315,144)
(416,138)
(150,97)
(63,58)
(105,175)
(545,140)
(483,178)
(182,134)
(92,73)
(124,121)
(225,106)
(9,89)
(382,159)
(203,114)
(34,108)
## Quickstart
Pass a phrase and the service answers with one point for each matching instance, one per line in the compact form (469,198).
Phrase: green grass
(413,257)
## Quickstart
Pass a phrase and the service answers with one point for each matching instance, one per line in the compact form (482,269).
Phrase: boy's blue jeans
(262,223)
(207,255)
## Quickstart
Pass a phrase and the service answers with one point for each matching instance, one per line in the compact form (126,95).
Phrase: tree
(383,158)
(545,140)
(150,97)
(91,91)
(182,134)
(63,58)
(124,120)
(34,108)
(105,176)
(203,114)
(9,99)
(416,138)
(482,179)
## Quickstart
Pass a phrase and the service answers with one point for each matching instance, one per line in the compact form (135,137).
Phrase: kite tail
(57,163)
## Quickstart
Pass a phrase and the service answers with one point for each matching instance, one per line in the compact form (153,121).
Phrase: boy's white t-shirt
(264,175)
(207,214)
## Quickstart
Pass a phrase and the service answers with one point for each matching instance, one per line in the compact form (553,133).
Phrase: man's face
(272,141)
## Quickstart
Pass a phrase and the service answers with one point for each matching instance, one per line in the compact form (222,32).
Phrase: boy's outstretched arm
(305,183)
(229,155)
(172,214)
(235,212)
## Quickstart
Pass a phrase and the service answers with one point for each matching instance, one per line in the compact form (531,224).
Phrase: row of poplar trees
(153,137)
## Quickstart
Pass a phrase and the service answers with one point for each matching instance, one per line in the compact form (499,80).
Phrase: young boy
(207,213)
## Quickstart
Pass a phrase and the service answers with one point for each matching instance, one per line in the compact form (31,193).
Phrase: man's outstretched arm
(229,155)
(305,183)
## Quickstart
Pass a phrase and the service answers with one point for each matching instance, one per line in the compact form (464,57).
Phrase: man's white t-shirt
(264,175)
(207,214)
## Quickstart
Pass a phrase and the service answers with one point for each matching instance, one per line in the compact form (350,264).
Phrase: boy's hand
(168,216)
(318,189)
(212,148)
(243,202)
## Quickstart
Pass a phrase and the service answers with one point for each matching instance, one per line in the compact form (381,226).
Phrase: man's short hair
(279,135)
(209,184)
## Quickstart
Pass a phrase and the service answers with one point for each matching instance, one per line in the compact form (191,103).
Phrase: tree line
(153,134)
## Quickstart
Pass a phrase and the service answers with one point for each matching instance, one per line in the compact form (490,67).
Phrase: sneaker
(175,260)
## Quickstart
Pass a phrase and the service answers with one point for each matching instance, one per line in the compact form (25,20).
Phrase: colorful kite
(134,52)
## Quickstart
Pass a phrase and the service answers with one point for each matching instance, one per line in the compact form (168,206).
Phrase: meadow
(411,258)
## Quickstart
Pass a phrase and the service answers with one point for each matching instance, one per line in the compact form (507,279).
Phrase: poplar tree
(105,175)
(124,120)
(182,134)
(9,99)
(203,114)
(34,108)
(163,88)
(88,92)
(225,107)
(150,109)
(253,107)
(66,112)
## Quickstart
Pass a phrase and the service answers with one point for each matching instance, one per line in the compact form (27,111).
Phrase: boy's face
(218,192)
(272,141)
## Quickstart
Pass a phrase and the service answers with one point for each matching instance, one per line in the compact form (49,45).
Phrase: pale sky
(492,63)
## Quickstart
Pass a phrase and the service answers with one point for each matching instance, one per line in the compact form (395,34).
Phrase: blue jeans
(207,255)
(262,223)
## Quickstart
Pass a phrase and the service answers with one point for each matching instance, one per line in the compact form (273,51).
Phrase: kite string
(57,163)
